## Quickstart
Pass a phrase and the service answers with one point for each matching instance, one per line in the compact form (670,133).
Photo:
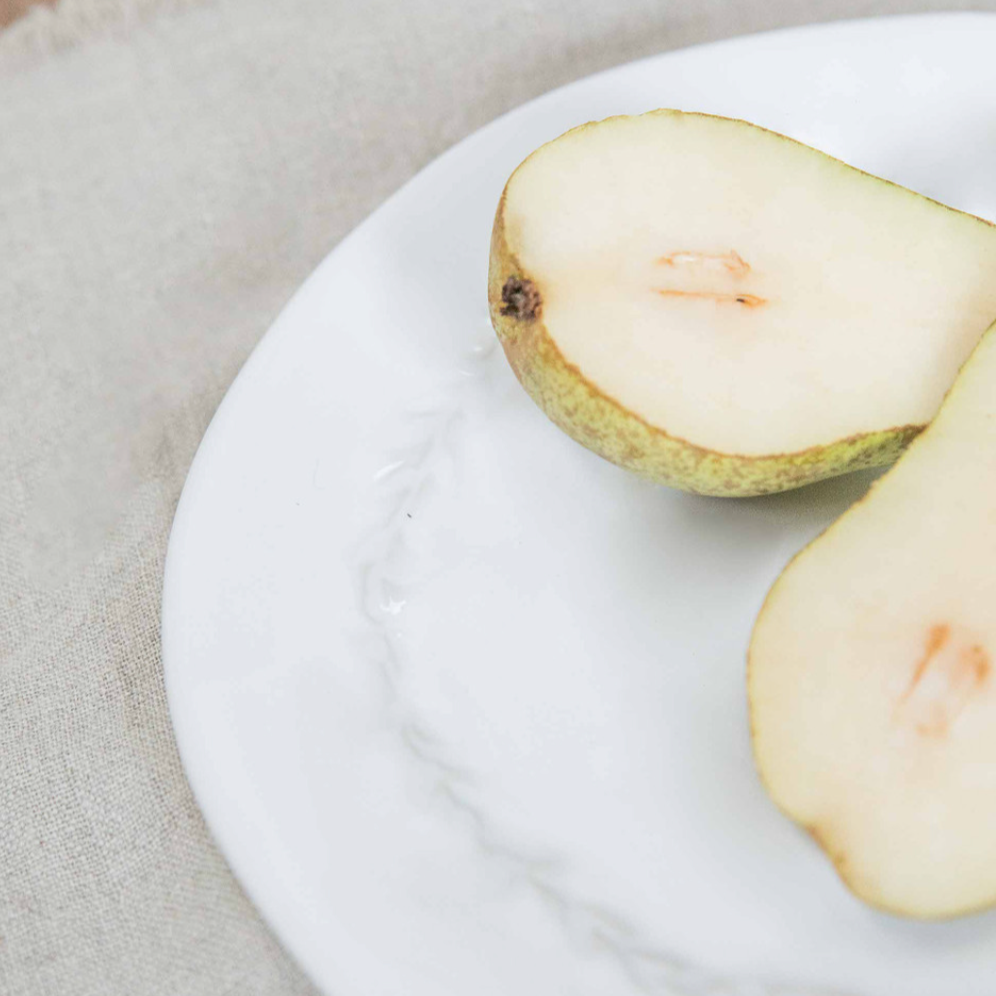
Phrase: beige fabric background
(170,171)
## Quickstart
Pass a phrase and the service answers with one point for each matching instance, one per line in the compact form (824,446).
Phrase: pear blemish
(521,299)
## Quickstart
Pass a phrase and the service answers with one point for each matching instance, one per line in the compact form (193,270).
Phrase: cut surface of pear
(870,676)
(723,309)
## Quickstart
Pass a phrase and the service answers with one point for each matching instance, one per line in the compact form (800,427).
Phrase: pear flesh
(870,679)
(723,309)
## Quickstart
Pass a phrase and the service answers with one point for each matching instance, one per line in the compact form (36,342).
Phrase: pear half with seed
(725,310)
(870,677)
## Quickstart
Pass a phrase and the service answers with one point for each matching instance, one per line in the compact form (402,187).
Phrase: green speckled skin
(607,428)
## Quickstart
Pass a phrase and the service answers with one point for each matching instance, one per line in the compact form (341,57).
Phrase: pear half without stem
(723,309)
(870,671)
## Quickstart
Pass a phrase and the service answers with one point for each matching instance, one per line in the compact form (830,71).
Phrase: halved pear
(722,309)
(870,676)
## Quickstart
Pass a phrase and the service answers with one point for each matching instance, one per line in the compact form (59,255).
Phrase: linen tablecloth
(170,171)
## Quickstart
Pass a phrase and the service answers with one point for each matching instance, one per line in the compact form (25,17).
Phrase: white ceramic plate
(463,704)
